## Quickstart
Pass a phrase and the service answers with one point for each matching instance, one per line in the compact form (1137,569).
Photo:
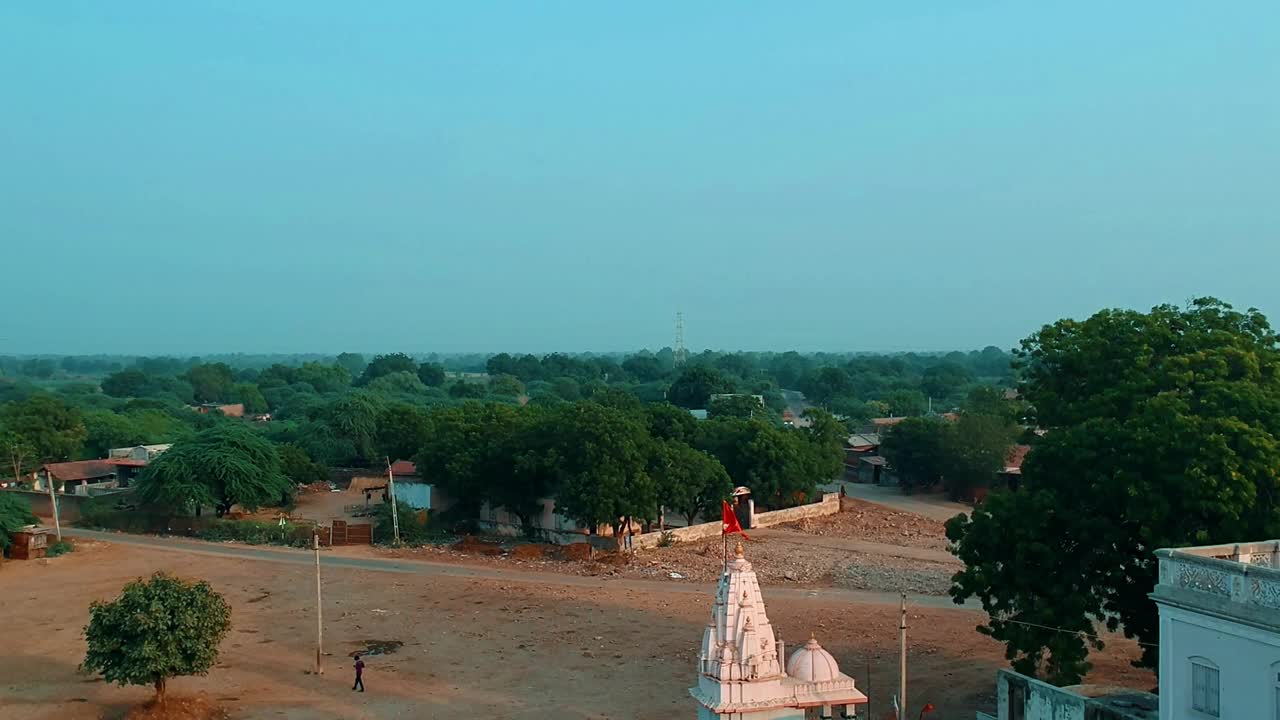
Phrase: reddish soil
(470,647)
(862,520)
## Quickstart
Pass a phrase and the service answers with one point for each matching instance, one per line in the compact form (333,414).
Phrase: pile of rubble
(862,520)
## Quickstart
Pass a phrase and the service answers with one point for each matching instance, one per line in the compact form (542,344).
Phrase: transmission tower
(680,353)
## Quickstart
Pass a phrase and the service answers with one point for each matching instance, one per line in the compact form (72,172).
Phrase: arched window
(1204,687)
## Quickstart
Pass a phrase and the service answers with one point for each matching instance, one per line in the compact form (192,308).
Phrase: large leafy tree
(211,382)
(157,629)
(353,417)
(1163,431)
(403,430)
(45,426)
(695,386)
(738,406)
(125,383)
(778,465)
(601,463)
(353,362)
(387,364)
(225,465)
(689,481)
(917,450)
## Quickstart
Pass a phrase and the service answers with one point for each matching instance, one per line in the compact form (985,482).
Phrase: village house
(857,447)
(232,410)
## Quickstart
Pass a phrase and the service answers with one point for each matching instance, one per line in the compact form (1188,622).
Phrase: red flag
(928,707)
(729,520)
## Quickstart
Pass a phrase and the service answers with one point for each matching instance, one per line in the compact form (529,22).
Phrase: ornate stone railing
(1246,573)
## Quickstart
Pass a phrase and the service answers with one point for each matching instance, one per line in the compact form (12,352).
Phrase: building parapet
(1241,580)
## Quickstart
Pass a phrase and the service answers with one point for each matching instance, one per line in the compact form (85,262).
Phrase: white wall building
(1220,632)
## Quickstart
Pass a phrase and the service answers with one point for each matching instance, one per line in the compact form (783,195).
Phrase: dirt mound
(470,544)
(575,551)
(532,551)
(316,487)
(178,708)
(863,520)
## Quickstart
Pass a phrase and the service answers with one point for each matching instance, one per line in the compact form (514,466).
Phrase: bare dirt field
(544,646)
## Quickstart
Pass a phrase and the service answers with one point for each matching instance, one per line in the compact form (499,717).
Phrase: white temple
(740,671)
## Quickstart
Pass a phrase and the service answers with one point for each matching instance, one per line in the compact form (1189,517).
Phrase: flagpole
(725,535)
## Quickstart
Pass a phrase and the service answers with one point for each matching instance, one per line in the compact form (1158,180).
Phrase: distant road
(931,506)
(340,559)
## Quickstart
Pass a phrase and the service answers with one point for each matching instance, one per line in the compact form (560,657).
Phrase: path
(340,558)
(936,507)
(851,545)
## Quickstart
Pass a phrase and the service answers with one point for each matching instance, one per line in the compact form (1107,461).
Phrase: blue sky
(321,176)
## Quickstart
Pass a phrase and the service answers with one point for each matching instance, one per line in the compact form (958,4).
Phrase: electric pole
(315,543)
(395,515)
(902,659)
(680,353)
(53,501)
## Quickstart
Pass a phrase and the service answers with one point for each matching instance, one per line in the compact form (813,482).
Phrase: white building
(144,453)
(1219,647)
(1220,632)
(740,670)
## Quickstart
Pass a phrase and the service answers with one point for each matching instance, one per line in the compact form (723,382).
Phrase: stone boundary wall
(68,505)
(828,505)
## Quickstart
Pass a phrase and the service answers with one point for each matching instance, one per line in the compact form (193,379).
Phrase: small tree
(15,512)
(157,629)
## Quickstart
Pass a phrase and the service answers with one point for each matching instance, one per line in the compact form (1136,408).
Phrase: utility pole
(53,500)
(680,354)
(395,515)
(315,543)
(902,659)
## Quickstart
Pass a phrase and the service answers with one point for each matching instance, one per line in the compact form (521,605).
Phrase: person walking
(359,666)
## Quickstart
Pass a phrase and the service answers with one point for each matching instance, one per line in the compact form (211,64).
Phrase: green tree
(157,629)
(403,430)
(826,383)
(298,467)
(668,422)
(397,383)
(352,362)
(945,379)
(695,386)
(225,465)
(777,464)
(105,429)
(387,364)
(917,450)
(906,403)
(324,378)
(46,425)
(689,481)
(431,374)
(645,368)
(125,384)
(250,396)
(738,406)
(601,460)
(211,382)
(463,390)
(976,450)
(15,512)
(507,385)
(467,450)
(354,417)
(1164,431)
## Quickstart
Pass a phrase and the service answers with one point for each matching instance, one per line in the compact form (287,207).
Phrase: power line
(1069,632)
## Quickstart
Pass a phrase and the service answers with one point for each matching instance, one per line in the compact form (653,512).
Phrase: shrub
(666,539)
(415,526)
(62,547)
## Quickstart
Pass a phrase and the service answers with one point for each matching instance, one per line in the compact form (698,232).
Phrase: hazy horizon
(302,177)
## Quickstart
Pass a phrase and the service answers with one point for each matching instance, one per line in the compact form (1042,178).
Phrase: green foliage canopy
(157,629)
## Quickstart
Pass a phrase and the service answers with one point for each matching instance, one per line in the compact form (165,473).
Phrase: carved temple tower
(740,671)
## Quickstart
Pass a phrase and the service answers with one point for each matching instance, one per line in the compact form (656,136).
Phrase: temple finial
(737,549)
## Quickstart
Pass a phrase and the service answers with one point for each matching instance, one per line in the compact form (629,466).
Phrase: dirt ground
(876,523)
(462,647)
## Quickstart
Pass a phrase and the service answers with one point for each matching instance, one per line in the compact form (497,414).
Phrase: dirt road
(361,559)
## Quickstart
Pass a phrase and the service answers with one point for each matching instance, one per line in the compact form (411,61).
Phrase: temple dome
(812,664)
